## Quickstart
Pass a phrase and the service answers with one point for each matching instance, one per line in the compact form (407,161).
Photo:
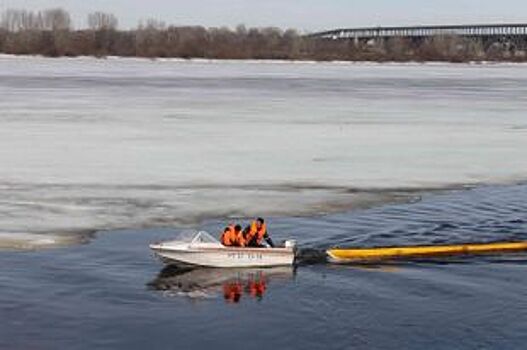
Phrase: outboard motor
(291,243)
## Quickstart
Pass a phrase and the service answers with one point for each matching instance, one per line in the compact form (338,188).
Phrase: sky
(305,15)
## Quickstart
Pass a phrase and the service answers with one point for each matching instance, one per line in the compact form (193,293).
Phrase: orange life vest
(255,233)
(240,240)
(228,238)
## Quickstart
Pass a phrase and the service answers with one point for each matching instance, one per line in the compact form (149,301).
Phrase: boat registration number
(241,255)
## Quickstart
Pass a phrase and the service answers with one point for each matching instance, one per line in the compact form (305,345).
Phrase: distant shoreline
(262,61)
(52,33)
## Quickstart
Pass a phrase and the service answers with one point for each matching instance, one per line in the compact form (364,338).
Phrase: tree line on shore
(51,33)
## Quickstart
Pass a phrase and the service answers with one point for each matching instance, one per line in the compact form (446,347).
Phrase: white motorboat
(204,250)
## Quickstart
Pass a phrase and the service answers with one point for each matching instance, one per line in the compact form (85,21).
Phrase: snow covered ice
(90,144)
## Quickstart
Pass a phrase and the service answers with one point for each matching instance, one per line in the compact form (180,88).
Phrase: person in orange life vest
(232,236)
(240,239)
(257,233)
(227,238)
(246,232)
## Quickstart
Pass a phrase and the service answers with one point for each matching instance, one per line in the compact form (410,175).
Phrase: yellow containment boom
(372,254)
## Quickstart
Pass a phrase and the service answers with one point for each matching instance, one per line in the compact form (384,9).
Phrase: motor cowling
(290,244)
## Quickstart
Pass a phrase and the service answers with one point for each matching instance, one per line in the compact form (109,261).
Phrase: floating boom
(372,254)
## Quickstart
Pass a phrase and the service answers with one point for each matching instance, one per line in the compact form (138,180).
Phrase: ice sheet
(91,144)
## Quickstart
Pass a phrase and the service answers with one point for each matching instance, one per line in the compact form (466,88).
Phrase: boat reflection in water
(233,284)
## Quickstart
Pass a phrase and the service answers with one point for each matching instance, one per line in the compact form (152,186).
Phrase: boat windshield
(204,237)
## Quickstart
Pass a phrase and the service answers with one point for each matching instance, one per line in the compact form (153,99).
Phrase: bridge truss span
(487,30)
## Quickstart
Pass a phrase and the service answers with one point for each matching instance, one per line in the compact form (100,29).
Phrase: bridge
(484,31)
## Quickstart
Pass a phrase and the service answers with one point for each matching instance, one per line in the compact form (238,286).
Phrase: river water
(112,294)
(118,153)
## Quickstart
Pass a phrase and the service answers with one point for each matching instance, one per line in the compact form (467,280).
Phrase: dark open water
(112,294)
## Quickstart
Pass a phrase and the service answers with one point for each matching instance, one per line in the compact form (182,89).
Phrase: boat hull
(227,257)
